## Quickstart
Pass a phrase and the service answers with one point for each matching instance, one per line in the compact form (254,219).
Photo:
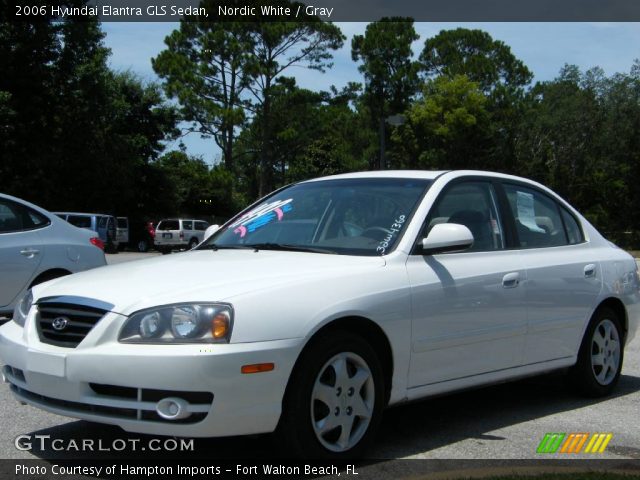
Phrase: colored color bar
(596,446)
(583,439)
(555,444)
(594,437)
(568,443)
(542,448)
(606,441)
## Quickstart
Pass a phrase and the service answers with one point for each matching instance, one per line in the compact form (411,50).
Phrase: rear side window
(169,225)
(80,221)
(15,217)
(187,225)
(537,217)
(102,221)
(574,232)
(201,226)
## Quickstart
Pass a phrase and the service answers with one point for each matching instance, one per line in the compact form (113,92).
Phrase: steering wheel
(377,233)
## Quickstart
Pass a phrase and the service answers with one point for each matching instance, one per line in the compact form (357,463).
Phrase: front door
(468,308)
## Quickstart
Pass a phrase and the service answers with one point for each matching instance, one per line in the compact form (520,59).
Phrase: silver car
(36,246)
(179,233)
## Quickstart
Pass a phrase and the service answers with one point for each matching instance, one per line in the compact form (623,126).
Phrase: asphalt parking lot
(501,422)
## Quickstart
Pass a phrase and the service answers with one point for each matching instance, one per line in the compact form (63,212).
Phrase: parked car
(36,246)
(122,232)
(323,303)
(179,233)
(141,235)
(104,225)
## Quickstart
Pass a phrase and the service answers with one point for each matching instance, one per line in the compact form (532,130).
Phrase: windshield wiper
(215,248)
(287,247)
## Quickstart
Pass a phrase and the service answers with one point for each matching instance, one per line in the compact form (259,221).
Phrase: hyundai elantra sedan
(314,309)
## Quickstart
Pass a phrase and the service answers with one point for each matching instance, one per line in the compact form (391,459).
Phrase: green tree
(477,55)
(277,46)
(188,178)
(315,133)
(77,130)
(559,136)
(205,68)
(448,128)
(498,73)
(390,73)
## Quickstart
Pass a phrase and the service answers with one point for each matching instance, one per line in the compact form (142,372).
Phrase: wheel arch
(618,307)
(369,331)
(49,274)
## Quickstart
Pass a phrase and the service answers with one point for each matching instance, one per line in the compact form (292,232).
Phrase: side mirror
(447,237)
(211,229)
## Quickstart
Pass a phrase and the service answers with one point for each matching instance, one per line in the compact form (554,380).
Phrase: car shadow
(405,430)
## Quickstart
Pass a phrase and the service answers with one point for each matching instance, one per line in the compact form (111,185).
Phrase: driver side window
(474,205)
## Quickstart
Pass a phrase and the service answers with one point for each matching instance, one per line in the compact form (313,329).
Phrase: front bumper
(105,381)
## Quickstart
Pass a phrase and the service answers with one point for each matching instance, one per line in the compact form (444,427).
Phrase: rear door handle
(590,271)
(511,280)
(29,252)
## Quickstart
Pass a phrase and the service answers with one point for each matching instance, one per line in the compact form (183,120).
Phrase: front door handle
(29,252)
(511,280)
(590,271)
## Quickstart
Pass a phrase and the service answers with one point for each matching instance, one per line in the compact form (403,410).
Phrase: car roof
(183,219)
(24,202)
(85,214)
(428,175)
(425,174)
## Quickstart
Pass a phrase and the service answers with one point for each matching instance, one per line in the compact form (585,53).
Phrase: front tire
(334,400)
(601,355)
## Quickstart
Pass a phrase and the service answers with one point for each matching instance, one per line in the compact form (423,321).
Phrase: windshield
(363,216)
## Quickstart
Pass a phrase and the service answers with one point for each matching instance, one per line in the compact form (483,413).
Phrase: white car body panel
(449,320)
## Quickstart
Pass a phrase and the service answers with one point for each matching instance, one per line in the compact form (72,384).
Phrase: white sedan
(327,301)
(36,246)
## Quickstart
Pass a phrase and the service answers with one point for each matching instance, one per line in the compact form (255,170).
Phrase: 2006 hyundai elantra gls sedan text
(327,301)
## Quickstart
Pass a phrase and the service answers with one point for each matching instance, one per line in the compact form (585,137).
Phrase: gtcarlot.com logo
(574,442)
(45,442)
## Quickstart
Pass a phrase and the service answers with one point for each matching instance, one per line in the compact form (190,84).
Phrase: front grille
(79,322)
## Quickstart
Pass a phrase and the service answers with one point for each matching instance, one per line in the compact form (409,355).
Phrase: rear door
(167,232)
(21,247)
(563,275)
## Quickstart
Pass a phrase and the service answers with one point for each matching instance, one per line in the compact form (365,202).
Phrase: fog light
(172,408)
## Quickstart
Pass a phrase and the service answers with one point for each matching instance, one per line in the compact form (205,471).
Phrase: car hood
(203,275)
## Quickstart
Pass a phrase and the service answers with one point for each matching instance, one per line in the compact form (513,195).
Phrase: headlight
(180,323)
(22,308)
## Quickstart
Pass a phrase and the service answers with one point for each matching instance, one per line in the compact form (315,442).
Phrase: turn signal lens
(220,325)
(257,368)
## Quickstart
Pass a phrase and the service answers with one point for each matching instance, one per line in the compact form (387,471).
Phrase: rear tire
(193,243)
(600,356)
(334,401)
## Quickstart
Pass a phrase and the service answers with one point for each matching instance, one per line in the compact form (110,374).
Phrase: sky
(543,47)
